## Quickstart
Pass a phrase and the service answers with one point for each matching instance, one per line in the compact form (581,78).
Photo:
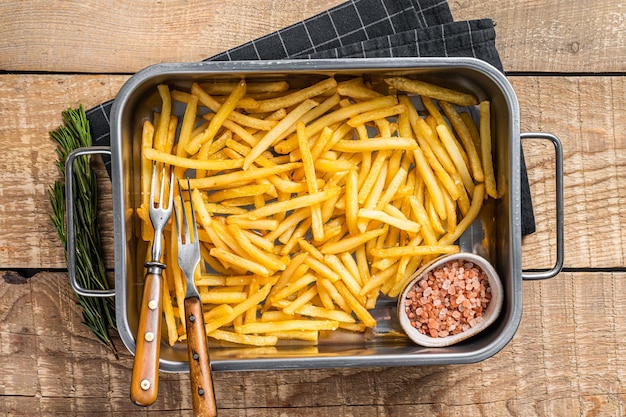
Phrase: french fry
(229,258)
(306,335)
(373,197)
(379,279)
(356,89)
(377,114)
(350,243)
(268,260)
(302,299)
(220,209)
(222,297)
(352,201)
(237,177)
(220,116)
(311,181)
(435,221)
(324,313)
(242,191)
(422,218)
(436,118)
(381,216)
(277,315)
(323,270)
(178,161)
(295,203)
(375,144)
(359,310)
(163,126)
(225,88)
(287,325)
(372,176)
(431,182)
(326,300)
(325,165)
(392,188)
(451,219)
(473,130)
(218,311)
(283,127)
(262,224)
(485,146)
(147,138)
(466,139)
(311,250)
(413,251)
(448,142)
(169,319)
(186,128)
(431,90)
(244,339)
(238,309)
(472,214)
(294,286)
(325,285)
(429,135)
(295,97)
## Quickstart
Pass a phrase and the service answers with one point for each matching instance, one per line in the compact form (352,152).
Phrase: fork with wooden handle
(203,396)
(145,376)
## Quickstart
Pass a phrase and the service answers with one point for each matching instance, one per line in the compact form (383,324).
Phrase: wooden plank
(566,358)
(594,144)
(31,108)
(554,36)
(98,37)
(532,36)
(587,114)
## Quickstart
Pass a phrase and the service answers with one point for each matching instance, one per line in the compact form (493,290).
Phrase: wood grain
(125,36)
(594,145)
(554,36)
(587,113)
(31,107)
(566,358)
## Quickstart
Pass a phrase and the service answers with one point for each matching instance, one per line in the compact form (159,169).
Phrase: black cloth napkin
(367,29)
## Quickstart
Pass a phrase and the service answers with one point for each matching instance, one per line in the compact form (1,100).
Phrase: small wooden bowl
(489,316)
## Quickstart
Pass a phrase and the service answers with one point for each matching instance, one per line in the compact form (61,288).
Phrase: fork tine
(162,191)
(170,189)
(186,224)
(178,223)
(193,217)
(182,223)
(171,196)
(152,183)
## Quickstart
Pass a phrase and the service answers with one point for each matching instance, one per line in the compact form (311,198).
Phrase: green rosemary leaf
(98,313)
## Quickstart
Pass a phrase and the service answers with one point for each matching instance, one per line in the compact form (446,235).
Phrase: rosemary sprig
(98,313)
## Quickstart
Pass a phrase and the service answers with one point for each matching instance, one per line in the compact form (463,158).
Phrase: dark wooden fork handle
(203,396)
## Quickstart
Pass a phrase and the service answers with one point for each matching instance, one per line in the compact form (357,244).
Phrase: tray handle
(558,149)
(69,202)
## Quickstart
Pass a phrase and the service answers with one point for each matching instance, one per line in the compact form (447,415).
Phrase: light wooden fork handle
(145,378)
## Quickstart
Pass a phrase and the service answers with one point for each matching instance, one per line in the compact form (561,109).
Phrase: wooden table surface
(566,60)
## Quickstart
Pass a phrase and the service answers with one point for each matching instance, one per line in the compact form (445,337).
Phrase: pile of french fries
(314,201)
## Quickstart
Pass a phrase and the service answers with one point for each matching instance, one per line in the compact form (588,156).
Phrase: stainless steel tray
(495,234)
